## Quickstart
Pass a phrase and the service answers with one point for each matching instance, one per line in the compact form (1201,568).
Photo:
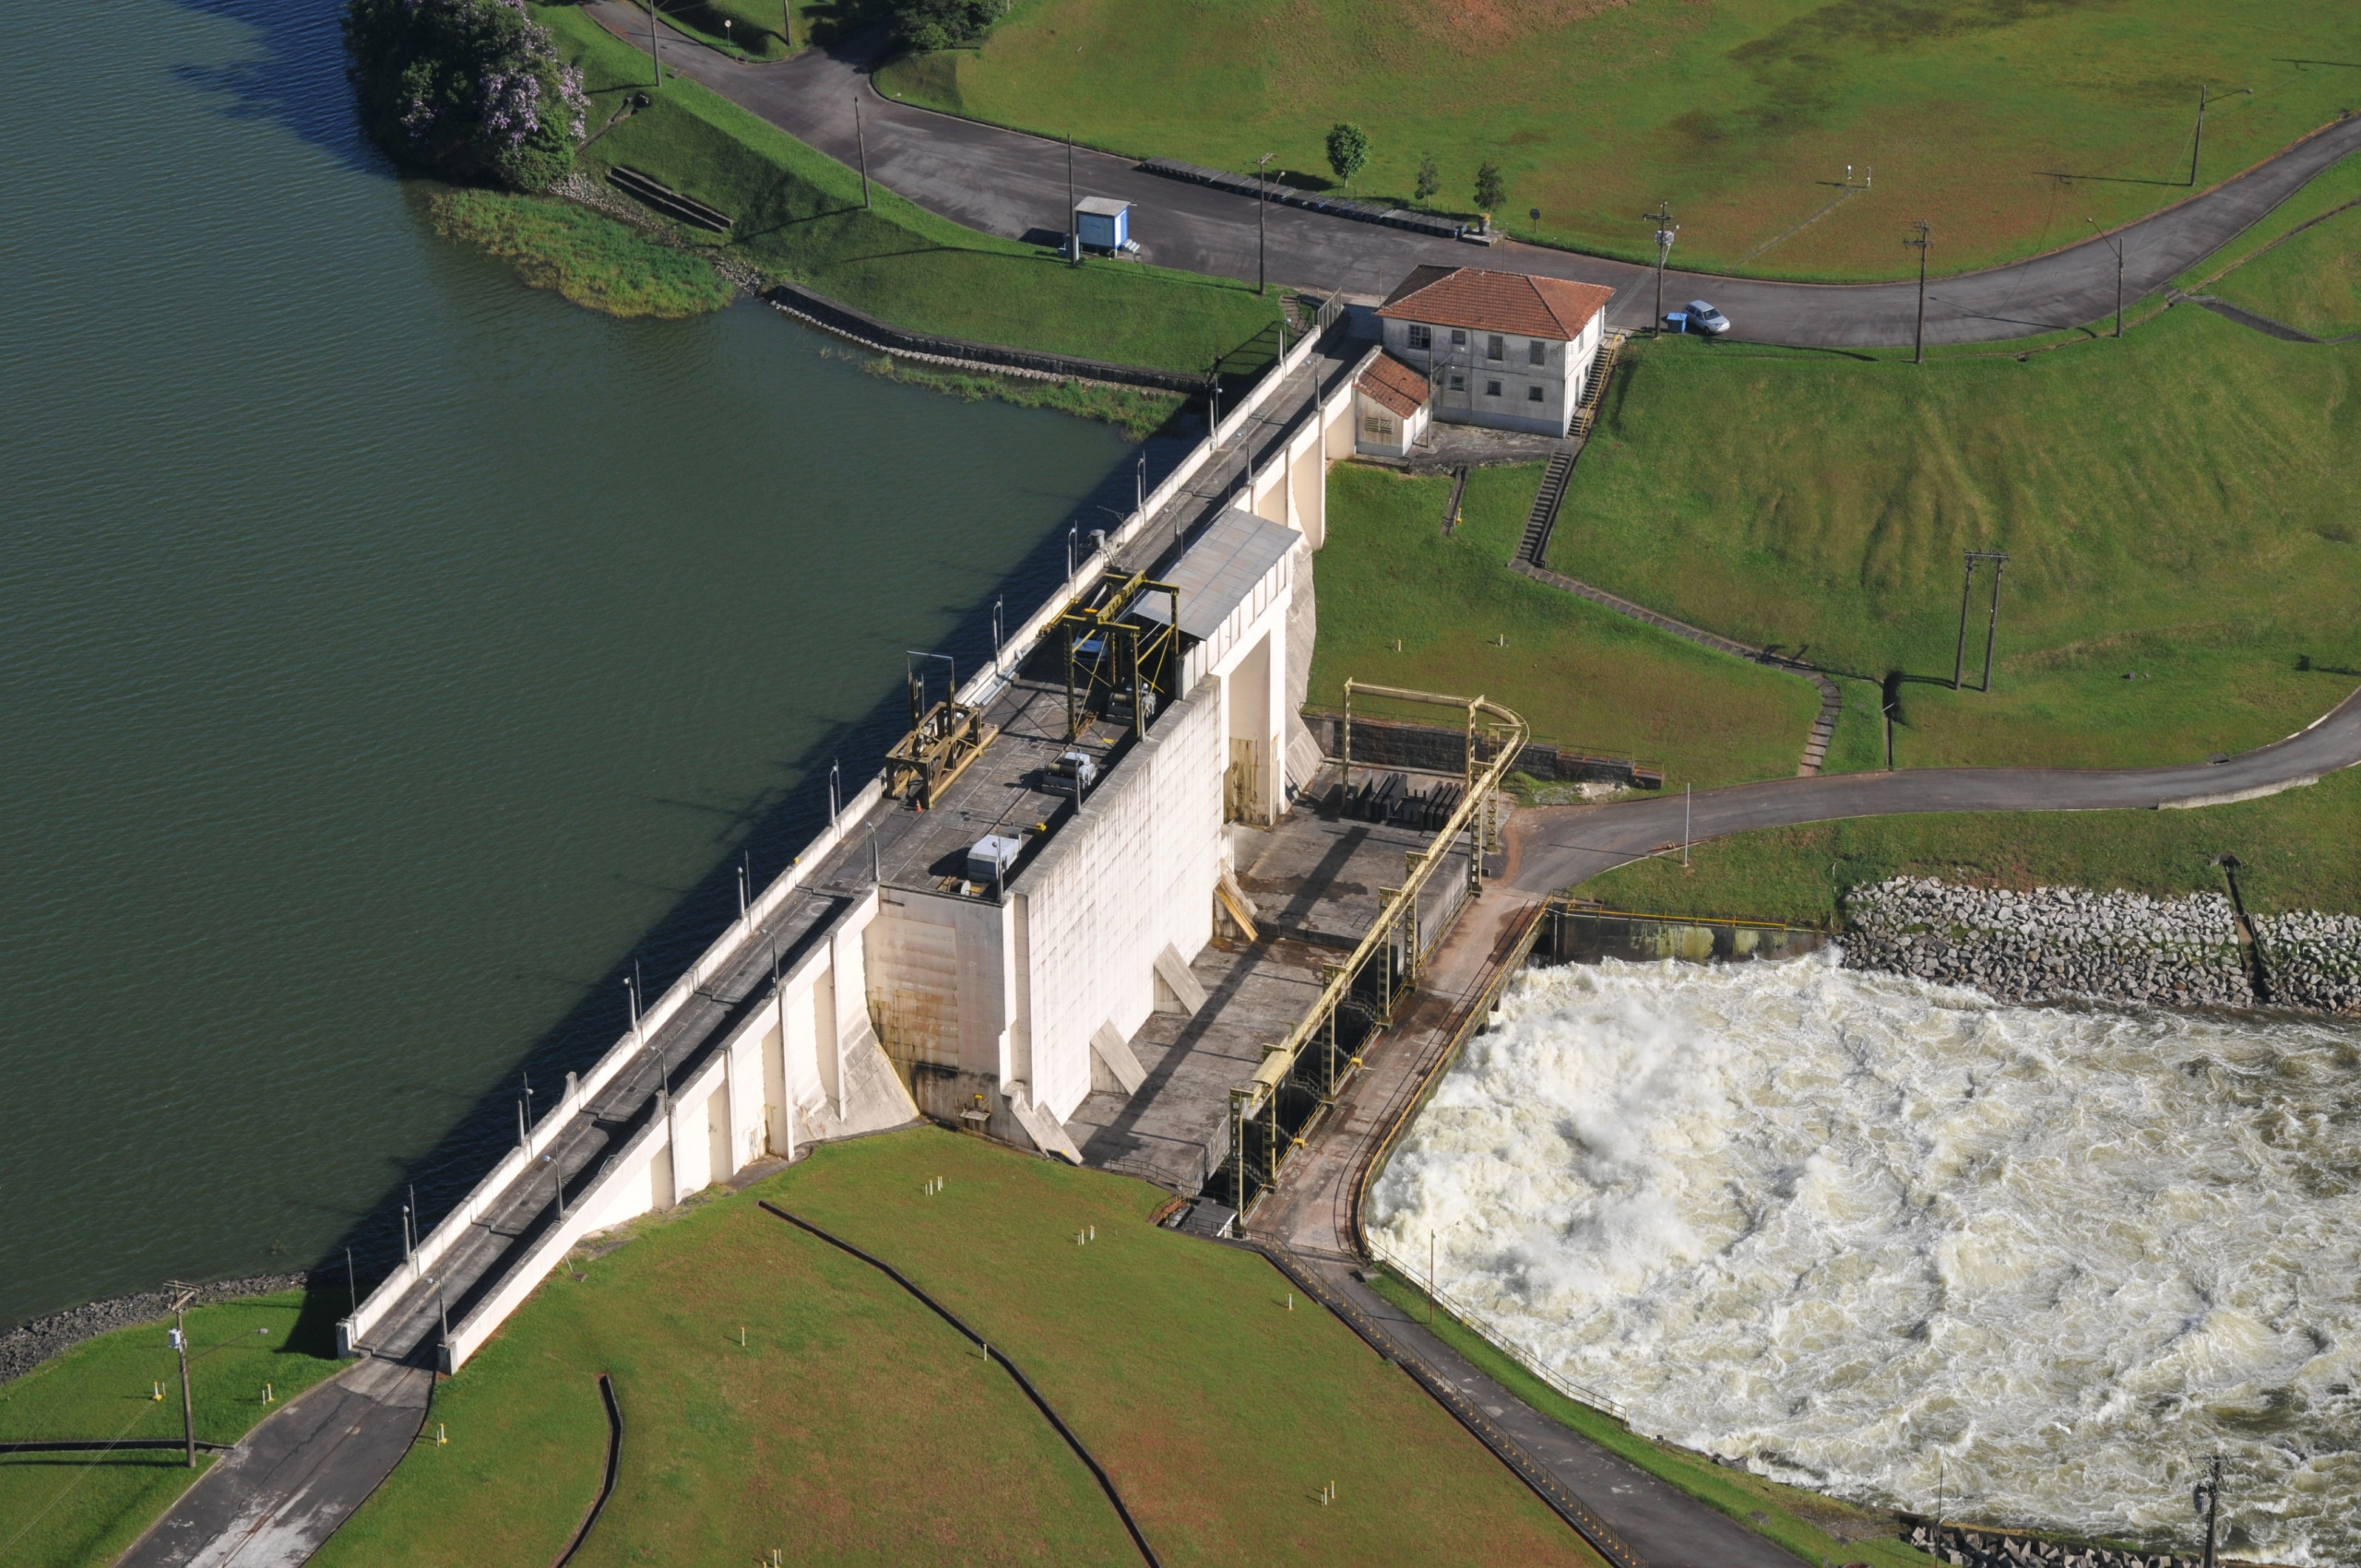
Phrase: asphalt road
(1556,847)
(1013,184)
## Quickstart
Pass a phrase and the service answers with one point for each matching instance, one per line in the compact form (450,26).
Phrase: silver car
(1703,317)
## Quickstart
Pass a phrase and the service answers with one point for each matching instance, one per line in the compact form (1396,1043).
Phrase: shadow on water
(296,79)
(767,832)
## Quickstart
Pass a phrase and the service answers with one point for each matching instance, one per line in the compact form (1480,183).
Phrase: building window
(1496,347)
(1491,389)
(1422,337)
(1458,338)
(1458,382)
(1532,394)
(1379,427)
(1536,352)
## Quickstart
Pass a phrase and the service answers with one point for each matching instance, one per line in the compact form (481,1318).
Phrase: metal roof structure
(1216,574)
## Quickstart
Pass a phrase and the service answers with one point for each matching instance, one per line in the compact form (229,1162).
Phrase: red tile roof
(1497,301)
(1394,385)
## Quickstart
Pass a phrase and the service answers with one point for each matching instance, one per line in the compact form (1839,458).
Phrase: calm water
(390,654)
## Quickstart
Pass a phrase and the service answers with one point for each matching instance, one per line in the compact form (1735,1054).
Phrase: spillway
(1852,1228)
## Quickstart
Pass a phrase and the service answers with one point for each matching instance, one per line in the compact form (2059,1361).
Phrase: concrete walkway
(1010,184)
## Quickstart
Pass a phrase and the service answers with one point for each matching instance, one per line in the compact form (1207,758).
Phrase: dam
(1011,929)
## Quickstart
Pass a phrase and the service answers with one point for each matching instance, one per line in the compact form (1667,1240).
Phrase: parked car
(1704,318)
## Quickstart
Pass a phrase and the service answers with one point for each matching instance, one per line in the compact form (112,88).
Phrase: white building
(1498,349)
(1391,408)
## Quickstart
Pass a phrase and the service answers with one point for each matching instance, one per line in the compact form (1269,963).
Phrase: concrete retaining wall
(870,333)
(1576,936)
(1435,748)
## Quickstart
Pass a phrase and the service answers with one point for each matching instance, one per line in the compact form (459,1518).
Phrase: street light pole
(1261,205)
(2197,148)
(179,1343)
(860,139)
(655,44)
(1921,244)
(2117,241)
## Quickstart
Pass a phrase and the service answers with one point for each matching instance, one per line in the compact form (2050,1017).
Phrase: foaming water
(1840,1225)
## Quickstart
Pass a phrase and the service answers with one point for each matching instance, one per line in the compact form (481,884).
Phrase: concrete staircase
(1544,515)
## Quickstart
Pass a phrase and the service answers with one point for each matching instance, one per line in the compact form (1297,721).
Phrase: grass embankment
(855,1427)
(2336,186)
(799,216)
(591,259)
(2297,848)
(2004,125)
(2184,560)
(2310,280)
(1575,672)
(69,1510)
(1135,412)
(1806,1523)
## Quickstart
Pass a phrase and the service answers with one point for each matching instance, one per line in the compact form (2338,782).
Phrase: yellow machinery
(943,740)
(1120,667)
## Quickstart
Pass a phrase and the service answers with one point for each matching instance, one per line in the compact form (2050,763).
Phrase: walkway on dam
(1012,184)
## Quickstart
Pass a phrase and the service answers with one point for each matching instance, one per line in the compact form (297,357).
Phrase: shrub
(471,89)
(928,25)
(1429,180)
(1347,150)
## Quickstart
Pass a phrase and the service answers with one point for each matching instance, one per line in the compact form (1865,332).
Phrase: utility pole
(787,23)
(2117,241)
(1992,627)
(860,139)
(1261,205)
(1959,656)
(2197,148)
(655,44)
(2213,1505)
(1665,229)
(179,1343)
(1921,245)
(1999,558)
(1073,235)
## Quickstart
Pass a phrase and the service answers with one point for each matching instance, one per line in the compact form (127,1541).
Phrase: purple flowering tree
(469,89)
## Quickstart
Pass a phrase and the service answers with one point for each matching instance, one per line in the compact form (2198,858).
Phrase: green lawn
(2297,848)
(2186,559)
(2004,125)
(851,1426)
(855,1427)
(799,217)
(1801,1521)
(1577,674)
(68,1510)
(2311,281)
(587,256)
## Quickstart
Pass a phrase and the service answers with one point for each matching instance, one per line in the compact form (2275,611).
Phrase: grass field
(2311,280)
(2297,848)
(1800,1521)
(2004,125)
(2184,572)
(591,259)
(71,1510)
(799,216)
(1575,672)
(854,1426)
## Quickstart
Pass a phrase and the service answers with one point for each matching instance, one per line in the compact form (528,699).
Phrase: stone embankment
(28,1345)
(1988,1548)
(2062,941)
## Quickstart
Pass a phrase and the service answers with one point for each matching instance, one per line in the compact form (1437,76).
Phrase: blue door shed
(1102,224)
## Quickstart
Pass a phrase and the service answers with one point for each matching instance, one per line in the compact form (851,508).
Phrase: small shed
(1391,408)
(1102,224)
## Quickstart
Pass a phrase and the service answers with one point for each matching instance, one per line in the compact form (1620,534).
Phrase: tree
(1347,151)
(472,89)
(927,25)
(1429,179)
(1491,187)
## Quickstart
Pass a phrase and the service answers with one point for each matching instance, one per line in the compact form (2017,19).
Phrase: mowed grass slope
(799,216)
(851,1426)
(2184,572)
(67,1510)
(1575,672)
(2311,280)
(1219,1412)
(1743,113)
(2298,849)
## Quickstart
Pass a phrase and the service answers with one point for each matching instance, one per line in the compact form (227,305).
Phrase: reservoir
(1901,1243)
(391,657)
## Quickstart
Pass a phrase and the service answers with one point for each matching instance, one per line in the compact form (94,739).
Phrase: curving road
(1010,184)
(1556,847)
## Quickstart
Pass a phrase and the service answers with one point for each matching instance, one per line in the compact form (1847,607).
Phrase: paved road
(296,1477)
(1010,184)
(1556,847)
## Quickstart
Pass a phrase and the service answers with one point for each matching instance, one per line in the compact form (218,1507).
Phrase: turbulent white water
(1839,1224)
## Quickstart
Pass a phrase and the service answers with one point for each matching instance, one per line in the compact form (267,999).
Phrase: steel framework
(1116,663)
(1364,993)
